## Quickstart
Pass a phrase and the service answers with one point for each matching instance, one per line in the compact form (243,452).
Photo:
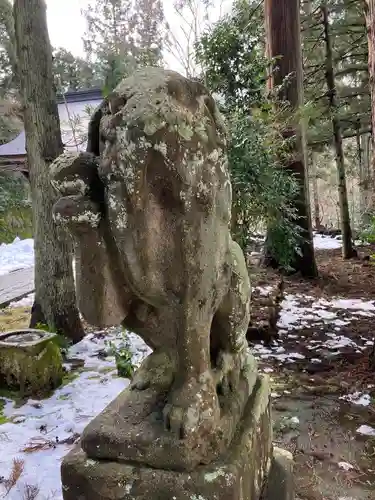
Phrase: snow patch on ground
(320,241)
(16,255)
(353,304)
(25,302)
(62,416)
(326,242)
(297,314)
(338,342)
(275,352)
(357,398)
(345,466)
(268,370)
(366,430)
(322,315)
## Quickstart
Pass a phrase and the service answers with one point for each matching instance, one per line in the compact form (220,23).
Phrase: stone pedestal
(248,470)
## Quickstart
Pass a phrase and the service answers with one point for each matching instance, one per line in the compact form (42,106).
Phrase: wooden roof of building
(75,109)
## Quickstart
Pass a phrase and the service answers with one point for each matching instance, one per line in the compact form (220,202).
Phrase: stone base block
(240,474)
(85,479)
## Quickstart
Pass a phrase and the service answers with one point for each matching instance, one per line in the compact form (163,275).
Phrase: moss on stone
(31,371)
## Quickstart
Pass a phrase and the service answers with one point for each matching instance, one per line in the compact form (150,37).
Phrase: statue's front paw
(77,213)
(193,409)
(157,370)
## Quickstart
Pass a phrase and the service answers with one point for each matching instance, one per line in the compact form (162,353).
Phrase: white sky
(66,24)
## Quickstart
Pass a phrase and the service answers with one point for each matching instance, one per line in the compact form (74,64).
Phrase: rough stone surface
(280,482)
(149,205)
(30,361)
(239,474)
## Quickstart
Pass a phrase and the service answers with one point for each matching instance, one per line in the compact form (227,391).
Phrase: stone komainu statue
(149,205)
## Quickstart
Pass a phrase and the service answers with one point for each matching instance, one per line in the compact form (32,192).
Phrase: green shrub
(368,234)
(123,356)
(232,58)
(262,191)
(15,208)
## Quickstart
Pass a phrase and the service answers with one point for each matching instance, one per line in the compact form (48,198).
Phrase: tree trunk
(312,166)
(55,299)
(283,39)
(370,23)
(315,191)
(348,250)
(364,145)
(362,204)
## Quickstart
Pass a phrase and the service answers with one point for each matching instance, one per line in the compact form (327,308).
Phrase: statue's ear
(93,139)
(218,118)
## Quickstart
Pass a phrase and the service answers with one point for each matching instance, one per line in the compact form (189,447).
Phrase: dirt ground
(14,319)
(332,460)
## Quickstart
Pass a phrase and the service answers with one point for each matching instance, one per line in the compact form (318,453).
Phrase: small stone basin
(18,338)
(24,337)
(30,361)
